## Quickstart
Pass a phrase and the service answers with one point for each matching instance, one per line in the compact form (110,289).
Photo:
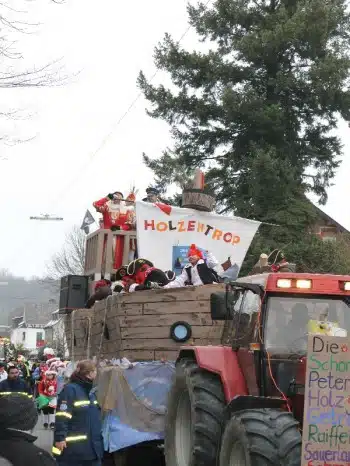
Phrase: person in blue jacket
(14,384)
(78,427)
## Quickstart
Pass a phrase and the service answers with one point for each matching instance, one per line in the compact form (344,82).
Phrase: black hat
(151,190)
(136,264)
(118,192)
(158,276)
(170,275)
(118,289)
(121,272)
(17,411)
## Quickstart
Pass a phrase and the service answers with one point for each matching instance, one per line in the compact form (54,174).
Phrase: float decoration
(195,197)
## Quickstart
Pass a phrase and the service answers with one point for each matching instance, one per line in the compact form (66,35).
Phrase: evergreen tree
(308,252)
(257,111)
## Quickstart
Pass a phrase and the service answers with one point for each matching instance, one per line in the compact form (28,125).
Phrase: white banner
(164,234)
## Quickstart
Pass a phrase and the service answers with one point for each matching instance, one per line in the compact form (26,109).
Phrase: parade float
(135,337)
(152,325)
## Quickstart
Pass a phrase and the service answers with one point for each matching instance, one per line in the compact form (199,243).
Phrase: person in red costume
(48,387)
(145,276)
(102,291)
(130,223)
(118,215)
(112,210)
(49,353)
(130,218)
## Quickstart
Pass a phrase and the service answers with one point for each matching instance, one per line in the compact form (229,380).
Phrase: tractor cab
(268,318)
(241,403)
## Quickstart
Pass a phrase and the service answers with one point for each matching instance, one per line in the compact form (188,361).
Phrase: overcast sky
(59,172)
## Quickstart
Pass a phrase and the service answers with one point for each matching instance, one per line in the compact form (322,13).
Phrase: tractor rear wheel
(261,437)
(194,418)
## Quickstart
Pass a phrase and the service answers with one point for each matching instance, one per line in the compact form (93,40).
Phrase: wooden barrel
(198,200)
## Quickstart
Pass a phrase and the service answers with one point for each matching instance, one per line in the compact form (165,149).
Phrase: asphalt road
(45,436)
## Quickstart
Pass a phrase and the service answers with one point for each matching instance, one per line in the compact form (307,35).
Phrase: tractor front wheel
(261,437)
(195,416)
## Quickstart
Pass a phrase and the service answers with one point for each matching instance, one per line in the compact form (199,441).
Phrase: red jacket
(110,219)
(48,387)
(143,272)
(42,370)
(102,283)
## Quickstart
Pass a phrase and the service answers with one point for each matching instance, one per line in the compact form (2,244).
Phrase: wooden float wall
(137,325)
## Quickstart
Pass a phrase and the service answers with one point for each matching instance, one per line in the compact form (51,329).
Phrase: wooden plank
(151,344)
(198,331)
(166,355)
(96,329)
(82,313)
(128,309)
(194,318)
(176,308)
(79,333)
(166,344)
(138,355)
(188,293)
(112,334)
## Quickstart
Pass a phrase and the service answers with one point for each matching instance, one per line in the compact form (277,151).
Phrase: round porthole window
(180,331)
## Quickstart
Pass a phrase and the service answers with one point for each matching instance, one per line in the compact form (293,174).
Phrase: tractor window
(288,317)
(245,318)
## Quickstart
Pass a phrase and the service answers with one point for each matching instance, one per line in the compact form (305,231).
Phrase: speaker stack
(74,293)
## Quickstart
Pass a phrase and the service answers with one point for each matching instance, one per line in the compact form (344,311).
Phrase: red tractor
(241,404)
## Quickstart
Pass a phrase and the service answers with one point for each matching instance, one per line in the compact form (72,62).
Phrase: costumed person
(130,219)
(145,276)
(47,399)
(39,371)
(77,438)
(123,280)
(50,363)
(60,368)
(198,271)
(49,353)
(114,212)
(36,379)
(102,291)
(130,223)
(111,208)
(14,383)
(18,417)
(152,195)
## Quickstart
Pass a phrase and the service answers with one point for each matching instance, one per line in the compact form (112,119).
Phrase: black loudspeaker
(74,293)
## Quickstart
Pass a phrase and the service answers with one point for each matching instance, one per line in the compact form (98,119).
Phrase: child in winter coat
(47,388)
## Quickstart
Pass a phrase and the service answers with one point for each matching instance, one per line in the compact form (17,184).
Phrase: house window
(23,336)
(39,336)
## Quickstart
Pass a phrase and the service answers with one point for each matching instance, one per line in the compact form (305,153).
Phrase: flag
(173,229)
(88,220)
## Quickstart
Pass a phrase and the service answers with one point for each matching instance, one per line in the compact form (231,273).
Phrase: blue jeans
(80,463)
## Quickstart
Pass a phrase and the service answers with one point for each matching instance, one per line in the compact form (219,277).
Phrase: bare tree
(70,260)
(60,341)
(14,73)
